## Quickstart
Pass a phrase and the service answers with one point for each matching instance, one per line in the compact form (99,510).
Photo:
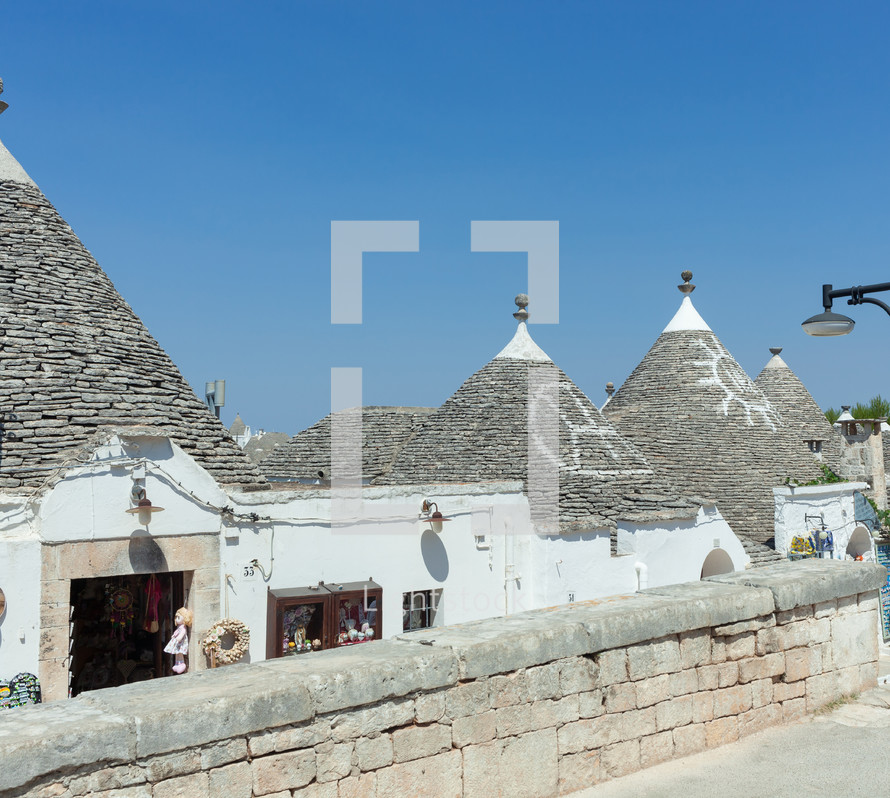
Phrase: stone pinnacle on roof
(10,168)
(687,317)
(775,350)
(522,347)
(521,301)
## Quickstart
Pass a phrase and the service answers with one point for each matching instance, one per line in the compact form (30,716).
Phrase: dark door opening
(119,627)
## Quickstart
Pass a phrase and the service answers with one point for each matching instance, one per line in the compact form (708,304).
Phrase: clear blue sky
(201,149)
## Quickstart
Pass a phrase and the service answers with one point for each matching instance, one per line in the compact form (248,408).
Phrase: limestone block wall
(535,704)
(862,458)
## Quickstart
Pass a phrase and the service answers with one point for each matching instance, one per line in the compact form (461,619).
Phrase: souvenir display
(802,547)
(358,617)
(179,643)
(317,617)
(20,691)
(119,626)
(212,642)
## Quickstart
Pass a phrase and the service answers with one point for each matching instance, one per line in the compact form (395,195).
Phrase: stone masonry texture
(696,416)
(590,692)
(799,410)
(481,434)
(76,360)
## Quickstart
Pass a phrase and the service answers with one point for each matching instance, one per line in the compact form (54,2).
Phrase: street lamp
(829,323)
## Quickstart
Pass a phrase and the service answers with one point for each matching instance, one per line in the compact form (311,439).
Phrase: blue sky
(200,151)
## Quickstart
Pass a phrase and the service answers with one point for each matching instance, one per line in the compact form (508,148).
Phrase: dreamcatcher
(122,611)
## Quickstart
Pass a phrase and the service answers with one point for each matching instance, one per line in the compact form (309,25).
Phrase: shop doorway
(119,627)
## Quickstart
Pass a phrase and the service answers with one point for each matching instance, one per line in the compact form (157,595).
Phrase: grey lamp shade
(828,323)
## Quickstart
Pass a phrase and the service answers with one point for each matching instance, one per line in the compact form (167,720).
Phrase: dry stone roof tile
(798,408)
(481,434)
(698,417)
(384,430)
(259,447)
(75,358)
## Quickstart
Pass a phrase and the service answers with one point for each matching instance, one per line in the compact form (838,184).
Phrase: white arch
(717,562)
(860,542)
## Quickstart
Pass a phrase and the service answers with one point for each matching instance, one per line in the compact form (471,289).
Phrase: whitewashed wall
(399,552)
(578,568)
(675,551)
(20,624)
(834,502)
(91,502)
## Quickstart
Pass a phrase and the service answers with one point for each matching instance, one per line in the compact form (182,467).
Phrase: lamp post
(829,323)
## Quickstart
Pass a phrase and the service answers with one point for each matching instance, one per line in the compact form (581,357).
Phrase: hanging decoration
(213,647)
(152,599)
(122,612)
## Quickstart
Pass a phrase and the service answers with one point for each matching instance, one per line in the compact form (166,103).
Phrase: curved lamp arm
(858,299)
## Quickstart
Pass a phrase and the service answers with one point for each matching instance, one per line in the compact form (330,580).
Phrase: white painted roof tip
(522,347)
(686,318)
(775,362)
(11,170)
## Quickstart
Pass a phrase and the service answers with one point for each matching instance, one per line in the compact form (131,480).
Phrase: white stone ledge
(796,584)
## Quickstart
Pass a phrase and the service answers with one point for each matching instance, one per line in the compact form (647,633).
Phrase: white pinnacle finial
(687,317)
(522,347)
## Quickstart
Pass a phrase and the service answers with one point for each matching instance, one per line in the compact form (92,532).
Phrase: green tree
(832,415)
(878,407)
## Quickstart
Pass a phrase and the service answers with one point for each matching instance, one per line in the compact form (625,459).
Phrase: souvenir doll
(179,643)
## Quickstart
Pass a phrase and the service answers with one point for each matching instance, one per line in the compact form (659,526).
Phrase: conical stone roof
(698,417)
(238,426)
(75,358)
(384,430)
(481,434)
(798,408)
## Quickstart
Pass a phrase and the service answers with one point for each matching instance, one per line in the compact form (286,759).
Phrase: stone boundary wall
(535,704)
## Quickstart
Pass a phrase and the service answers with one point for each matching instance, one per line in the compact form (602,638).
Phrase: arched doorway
(717,562)
(860,544)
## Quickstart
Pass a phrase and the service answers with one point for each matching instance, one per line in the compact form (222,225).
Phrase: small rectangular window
(419,609)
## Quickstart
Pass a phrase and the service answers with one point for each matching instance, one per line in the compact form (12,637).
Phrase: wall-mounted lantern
(144,508)
(436,518)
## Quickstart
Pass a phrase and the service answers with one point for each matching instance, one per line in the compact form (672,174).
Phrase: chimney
(862,455)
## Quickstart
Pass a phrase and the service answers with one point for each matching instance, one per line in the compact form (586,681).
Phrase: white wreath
(226,656)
